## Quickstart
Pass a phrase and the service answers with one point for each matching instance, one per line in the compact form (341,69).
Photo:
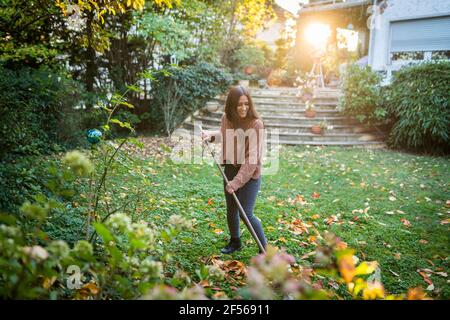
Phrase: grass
(389,206)
(369,192)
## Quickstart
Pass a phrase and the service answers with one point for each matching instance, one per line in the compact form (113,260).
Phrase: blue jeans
(247,197)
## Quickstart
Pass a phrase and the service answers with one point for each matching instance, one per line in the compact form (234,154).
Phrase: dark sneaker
(233,245)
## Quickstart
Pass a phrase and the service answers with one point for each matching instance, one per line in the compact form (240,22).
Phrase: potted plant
(309,110)
(319,128)
(248,70)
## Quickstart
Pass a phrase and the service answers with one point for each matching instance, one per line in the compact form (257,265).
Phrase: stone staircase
(281,109)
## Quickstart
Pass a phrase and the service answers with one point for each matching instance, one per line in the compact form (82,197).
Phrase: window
(440,55)
(413,55)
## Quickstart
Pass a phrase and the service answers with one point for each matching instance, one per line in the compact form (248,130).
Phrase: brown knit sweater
(253,139)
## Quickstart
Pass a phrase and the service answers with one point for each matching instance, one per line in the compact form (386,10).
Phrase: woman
(243,169)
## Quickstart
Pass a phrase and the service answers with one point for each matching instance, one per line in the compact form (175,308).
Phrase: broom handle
(241,210)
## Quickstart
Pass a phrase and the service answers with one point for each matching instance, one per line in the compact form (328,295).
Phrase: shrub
(249,56)
(177,92)
(36,110)
(125,262)
(418,102)
(362,97)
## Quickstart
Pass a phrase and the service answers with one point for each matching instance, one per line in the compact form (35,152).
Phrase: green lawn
(389,206)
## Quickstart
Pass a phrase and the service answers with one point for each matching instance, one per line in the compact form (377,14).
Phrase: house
(391,33)
(276,28)
(409,31)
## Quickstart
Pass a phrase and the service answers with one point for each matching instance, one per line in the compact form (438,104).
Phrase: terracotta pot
(310,113)
(316,129)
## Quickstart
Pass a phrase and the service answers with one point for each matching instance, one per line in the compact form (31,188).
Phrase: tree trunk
(90,57)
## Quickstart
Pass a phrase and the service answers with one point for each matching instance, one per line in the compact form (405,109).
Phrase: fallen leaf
(395,274)
(425,277)
(300,198)
(89,289)
(391,198)
(405,222)
(316,195)
(330,220)
(219,295)
(48,282)
(423,241)
(446,221)
(341,245)
(218,231)
(308,255)
(210,201)
(204,283)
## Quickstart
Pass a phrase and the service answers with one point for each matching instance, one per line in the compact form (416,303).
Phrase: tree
(94,13)
(246,17)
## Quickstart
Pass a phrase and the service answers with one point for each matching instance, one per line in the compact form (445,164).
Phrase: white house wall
(400,10)
(271,34)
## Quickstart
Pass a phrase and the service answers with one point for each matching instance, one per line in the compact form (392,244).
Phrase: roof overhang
(328,5)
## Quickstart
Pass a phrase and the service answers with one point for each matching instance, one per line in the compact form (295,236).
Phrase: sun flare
(317,34)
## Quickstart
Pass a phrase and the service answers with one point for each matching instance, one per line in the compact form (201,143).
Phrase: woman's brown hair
(231,104)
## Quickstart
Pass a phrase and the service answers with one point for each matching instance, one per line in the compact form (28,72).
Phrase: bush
(249,56)
(418,103)
(177,92)
(36,111)
(362,97)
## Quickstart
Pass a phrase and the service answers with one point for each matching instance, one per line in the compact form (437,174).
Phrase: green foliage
(36,110)
(26,30)
(38,117)
(178,91)
(169,34)
(127,261)
(419,104)
(362,95)
(249,55)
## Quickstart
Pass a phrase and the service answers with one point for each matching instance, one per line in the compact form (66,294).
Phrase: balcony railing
(318,5)
(322,2)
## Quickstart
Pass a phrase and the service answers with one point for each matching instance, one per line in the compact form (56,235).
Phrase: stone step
(282,110)
(286,120)
(331,137)
(274,91)
(293,129)
(279,104)
(312,139)
(329,143)
(278,112)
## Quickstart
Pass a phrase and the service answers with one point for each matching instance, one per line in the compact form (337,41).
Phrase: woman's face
(242,107)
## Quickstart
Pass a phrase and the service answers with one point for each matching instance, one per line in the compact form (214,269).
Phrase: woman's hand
(229,188)
(205,136)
